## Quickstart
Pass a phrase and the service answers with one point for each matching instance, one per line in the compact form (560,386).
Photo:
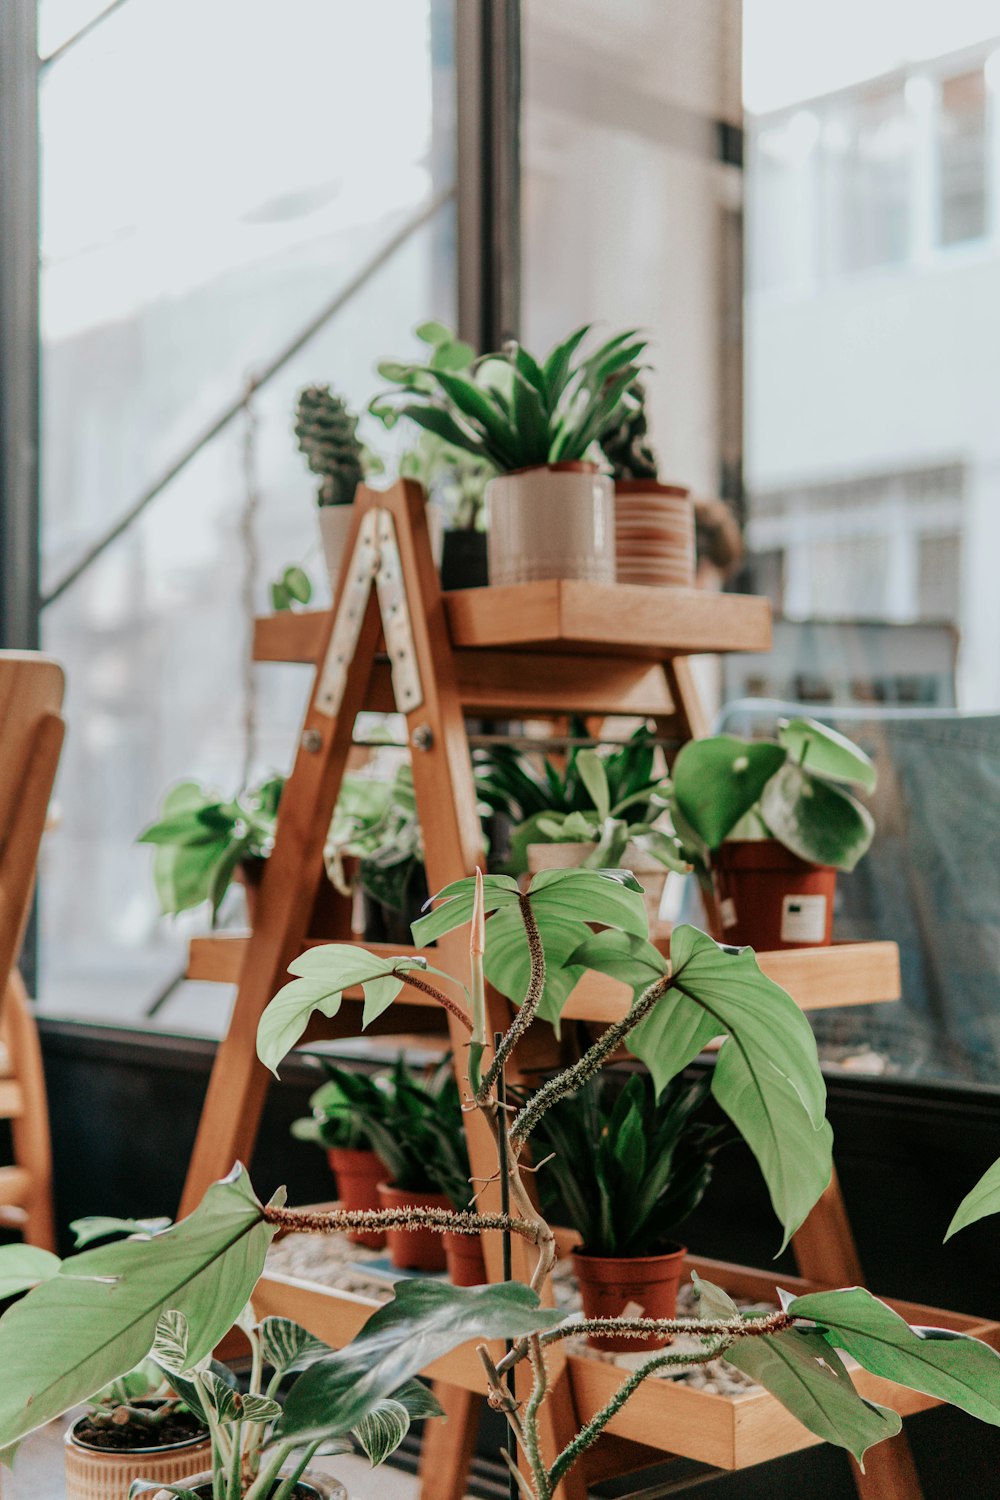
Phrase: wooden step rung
(11,1099)
(15,1186)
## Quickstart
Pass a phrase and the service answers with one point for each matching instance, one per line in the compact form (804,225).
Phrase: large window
(214,177)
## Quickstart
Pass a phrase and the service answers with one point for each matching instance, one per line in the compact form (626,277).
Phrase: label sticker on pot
(727,912)
(803,919)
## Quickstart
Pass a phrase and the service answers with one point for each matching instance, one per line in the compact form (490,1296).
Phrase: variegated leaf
(260,1408)
(225,1402)
(170,1341)
(287,1346)
(382,1431)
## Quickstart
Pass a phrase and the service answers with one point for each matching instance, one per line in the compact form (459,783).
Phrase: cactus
(623,443)
(327,434)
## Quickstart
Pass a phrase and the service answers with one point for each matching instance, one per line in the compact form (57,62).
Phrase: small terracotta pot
(654,534)
(102,1474)
(464,1253)
(358,1175)
(645,1285)
(553,521)
(312,1483)
(768,898)
(413,1249)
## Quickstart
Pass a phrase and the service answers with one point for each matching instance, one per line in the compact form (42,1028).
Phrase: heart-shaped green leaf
(827,753)
(286,1345)
(817,821)
(717,780)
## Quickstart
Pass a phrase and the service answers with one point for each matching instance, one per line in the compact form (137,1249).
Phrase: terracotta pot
(654,534)
(358,1175)
(413,1249)
(464,1253)
(313,1484)
(100,1474)
(644,1285)
(769,898)
(650,874)
(555,521)
(334,528)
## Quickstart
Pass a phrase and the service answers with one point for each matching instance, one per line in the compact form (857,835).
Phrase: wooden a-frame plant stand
(393,641)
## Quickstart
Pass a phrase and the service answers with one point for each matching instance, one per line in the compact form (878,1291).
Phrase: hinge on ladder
(375,557)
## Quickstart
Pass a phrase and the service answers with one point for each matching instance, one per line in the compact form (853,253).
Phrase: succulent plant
(623,440)
(327,435)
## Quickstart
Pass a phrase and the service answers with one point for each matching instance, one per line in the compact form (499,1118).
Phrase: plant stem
(440,1220)
(287,1485)
(539,1387)
(503,1152)
(529,1005)
(268,1474)
(452,1006)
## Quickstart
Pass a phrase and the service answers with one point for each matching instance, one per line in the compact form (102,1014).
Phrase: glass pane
(154,636)
(962,145)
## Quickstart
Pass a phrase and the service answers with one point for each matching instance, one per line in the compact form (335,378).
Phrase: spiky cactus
(623,443)
(327,435)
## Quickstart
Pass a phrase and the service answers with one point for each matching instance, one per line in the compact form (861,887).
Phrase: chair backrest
(31,734)
(931,882)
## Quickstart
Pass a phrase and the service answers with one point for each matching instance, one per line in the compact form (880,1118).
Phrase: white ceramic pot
(334,527)
(651,875)
(654,534)
(554,522)
(325,1485)
(102,1474)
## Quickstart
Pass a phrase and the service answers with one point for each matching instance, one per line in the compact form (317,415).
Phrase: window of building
(962,156)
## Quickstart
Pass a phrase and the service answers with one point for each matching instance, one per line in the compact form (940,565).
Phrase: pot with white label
(768,898)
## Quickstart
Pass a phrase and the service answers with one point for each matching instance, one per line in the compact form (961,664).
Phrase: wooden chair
(31,735)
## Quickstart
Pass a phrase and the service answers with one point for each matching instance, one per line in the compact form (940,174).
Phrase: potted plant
(627,1170)
(454,481)
(137,1427)
(339,1108)
(91,1317)
(768,825)
(654,522)
(448,1166)
(327,435)
(551,513)
(203,842)
(391,870)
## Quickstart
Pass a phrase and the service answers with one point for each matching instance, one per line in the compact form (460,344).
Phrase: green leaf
(611,897)
(982,1200)
(286,1345)
(24,1266)
(594,778)
(96,1320)
(281,599)
(297,583)
(382,1430)
(815,820)
(717,780)
(99,1226)
(508,960)
(456,901)
(424,1321)
(827,753)
(937,1361)
(434,333)
(224,1400)
(454,355)
(324,974)
(257,1408)
(170,1342)
(557,366)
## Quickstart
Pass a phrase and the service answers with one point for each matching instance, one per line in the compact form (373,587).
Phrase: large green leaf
(827,753)
(817,821)
(717,780)
(980,1201)
(424,1321)
(455,908)
(386,1425)
(507,965)
(767,1076)
(951,1366)
(24,1266)
(101,1227)
(97,1318)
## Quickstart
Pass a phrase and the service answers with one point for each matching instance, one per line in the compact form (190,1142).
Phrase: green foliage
(101,1227)
(623,441)
(418,1134)
(979,1202)
(525,413)
(327,436)
(424,1321)
(76,1332)
(630,1167)
(726,787)
(766,1077)
(24,1266)
(201,839)
(292,586)
(340,1107)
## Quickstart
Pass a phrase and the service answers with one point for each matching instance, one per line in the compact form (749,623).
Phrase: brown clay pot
(654,534)
(769,898)
(464,1253)
(358,1175)
(413,1249)
(610,1285)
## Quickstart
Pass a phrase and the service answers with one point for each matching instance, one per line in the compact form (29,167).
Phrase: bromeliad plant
(99,1314)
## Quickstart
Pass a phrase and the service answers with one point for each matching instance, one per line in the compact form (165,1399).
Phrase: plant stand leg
(890,1472)
(448,1445)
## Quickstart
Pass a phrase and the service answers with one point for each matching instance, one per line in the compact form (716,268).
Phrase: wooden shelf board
(728,1432)
(564,616)
(816,978)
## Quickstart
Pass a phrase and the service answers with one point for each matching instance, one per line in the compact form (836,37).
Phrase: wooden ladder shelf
(393,642)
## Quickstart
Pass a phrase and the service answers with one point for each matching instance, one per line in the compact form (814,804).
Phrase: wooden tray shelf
(726,1432)
(816,978)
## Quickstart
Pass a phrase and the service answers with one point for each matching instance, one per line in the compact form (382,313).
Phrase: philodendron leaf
(382,1431)
(767,1076)
(424,1321)
(817,821)
(454,908)
(951,1366)
(717,780)
(101,1227)
(256,1408)
(170,1342)
(226,1403)
(24,1266)
(827,753)
(287,1346)
(982,1200)
(96,1320)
